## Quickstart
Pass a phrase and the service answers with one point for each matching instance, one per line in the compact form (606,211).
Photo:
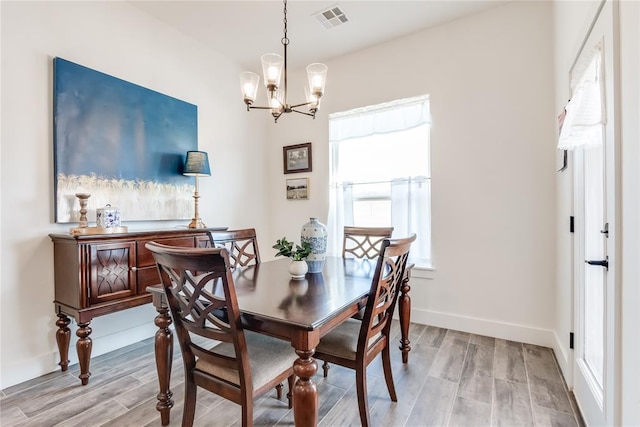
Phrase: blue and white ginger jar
(315,233)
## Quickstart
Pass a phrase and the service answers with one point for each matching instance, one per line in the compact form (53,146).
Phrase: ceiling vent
(332,17)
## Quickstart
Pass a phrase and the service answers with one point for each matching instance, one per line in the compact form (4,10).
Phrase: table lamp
(196,164)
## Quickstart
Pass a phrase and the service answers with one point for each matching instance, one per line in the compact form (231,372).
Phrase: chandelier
(274,68)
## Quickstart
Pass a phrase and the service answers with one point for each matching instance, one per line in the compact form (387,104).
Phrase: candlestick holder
(83,198)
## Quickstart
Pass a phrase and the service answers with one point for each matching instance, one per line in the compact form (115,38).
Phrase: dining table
(300,311)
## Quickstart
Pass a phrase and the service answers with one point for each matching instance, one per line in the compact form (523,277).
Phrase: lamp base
(197,223)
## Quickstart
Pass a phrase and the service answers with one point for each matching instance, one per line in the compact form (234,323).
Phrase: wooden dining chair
(217,353)
(361,242)
(356,343)
(364,242)
(242,245)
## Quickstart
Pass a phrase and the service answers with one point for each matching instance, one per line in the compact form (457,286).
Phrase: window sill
(423,271)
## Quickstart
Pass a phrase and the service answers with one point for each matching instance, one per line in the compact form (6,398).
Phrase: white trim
(564,358)
(423,272)
(491,328)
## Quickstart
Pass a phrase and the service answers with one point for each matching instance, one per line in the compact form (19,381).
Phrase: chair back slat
(242,245)
(202,299)
(385,288)
(364,242)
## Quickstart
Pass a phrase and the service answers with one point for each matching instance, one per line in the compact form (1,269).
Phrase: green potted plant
(298,254)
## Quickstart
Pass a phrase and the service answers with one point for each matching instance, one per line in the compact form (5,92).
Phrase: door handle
(603,262)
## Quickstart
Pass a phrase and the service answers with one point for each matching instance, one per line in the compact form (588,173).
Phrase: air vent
(332,17)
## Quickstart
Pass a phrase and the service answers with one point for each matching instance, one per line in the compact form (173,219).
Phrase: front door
(595,250)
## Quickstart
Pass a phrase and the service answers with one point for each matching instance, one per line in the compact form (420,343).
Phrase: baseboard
(507,331)
(564,357)
(23,370)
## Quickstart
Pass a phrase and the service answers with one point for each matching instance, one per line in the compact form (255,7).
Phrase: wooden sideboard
(103,274)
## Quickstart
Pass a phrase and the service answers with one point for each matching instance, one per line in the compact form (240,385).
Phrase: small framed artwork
(297,158)
(298,189)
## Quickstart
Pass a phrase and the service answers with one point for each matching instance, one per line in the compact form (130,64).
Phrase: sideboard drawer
(147,276)
(145,258)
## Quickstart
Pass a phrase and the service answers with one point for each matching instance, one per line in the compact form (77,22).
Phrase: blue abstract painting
(122,143)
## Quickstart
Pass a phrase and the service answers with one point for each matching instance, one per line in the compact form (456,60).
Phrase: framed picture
(297,158)
(298,189)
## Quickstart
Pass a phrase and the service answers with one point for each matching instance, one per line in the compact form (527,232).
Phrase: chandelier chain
(285,39)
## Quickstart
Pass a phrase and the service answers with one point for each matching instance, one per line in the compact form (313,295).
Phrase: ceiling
(244,30)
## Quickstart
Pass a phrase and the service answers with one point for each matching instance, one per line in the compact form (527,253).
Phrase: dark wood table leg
(404,312)
(83,347)
(63,337)
(305,392)
(164,360)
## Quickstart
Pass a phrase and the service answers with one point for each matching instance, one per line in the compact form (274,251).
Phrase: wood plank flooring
(452,379)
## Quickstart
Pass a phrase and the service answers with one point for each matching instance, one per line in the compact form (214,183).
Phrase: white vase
(298,269)
(315,233)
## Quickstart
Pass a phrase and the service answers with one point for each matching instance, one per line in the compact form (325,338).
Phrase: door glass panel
(594,249)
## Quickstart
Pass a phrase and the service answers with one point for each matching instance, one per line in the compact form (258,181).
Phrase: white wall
(491,85)
(119,40)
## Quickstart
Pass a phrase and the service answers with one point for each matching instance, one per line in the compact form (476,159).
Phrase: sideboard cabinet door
(112,273)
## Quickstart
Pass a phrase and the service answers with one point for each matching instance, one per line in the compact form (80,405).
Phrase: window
(380,172)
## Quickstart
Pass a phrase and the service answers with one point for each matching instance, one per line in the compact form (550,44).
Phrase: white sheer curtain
(411,213)
(340,214)
(585,118)
(407,173)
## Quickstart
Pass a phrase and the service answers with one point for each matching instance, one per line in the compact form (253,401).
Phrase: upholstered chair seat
(267,357)
(343,341)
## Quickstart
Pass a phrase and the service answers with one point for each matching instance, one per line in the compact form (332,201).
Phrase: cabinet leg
(83,347)
(63,337)
(404,309)
(164,359)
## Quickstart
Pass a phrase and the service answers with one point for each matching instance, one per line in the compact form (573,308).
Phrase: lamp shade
(317,75)
(249,86)
(196,164)
(272,65)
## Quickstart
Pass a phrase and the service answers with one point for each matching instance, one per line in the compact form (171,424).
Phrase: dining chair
(364,242)
(356,343)
(361,242)
(217,353)
(242,245)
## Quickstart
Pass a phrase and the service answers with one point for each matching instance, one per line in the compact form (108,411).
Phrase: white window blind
(585,118)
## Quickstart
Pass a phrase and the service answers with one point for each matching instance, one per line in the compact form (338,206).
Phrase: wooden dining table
(300,311)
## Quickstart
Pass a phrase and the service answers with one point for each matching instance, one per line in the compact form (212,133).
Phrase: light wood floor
(453,378)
